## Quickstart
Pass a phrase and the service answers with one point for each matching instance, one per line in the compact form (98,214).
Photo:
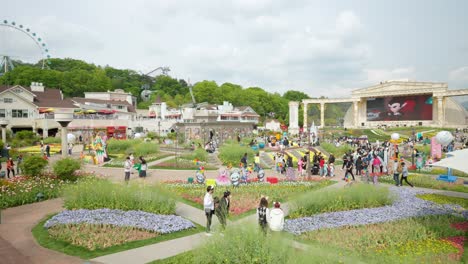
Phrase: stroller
(315,169)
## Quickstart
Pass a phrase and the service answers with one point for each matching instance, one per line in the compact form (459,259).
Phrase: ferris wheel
(20,42)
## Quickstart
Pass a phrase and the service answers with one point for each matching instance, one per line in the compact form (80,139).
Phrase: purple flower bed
(405,206)
(162,224)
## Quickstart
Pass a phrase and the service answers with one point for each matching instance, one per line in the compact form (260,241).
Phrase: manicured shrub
(52,140)
(355,197)
(33,166)
(96,194)
(65,169)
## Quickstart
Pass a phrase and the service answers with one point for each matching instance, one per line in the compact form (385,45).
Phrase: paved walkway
(17,241)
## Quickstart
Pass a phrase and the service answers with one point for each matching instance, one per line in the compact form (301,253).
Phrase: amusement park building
(394,103)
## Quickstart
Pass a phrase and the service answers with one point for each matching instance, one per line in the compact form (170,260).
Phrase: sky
(323,48)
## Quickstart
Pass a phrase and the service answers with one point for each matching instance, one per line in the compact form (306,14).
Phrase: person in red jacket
(10,167)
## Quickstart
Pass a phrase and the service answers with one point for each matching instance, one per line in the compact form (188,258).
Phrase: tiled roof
(80,100)
(49,98)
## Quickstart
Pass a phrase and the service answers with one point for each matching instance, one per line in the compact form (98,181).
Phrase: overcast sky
(319,47)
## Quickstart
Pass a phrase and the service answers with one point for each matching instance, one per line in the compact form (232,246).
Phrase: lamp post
(176,145)
(3,124)
(159,128)
(64,119)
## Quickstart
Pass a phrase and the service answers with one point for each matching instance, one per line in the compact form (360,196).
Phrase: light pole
(176,145)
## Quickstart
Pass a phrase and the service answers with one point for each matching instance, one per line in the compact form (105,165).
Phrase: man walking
(208,204)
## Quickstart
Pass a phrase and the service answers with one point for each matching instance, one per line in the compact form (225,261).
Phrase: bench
(447,178)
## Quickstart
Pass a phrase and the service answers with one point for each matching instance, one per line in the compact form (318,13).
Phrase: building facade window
(2,113)
(19,113)
(8,100)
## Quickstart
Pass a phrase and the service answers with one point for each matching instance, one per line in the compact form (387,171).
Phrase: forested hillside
(74,77)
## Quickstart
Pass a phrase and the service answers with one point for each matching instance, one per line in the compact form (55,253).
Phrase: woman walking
(263,213)
(404,174)
(143,167)
(10,167)
(208,205)
(222,210)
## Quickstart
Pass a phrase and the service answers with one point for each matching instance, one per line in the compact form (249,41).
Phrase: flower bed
(426,181)
(97,193)
(401,241)
(358,196)
(93,237)
(247,196)
(442,199)
(405,206)
(181,164)
(161,224)
(22,190)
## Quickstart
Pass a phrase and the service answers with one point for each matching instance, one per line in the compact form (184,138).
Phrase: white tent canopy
(458,160)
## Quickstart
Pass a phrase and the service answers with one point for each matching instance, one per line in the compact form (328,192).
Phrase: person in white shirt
(208,204)
(127,168)
(276,218)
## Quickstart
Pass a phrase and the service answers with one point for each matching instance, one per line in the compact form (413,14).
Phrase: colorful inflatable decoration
(223,178)
(200,177)
(235,177)
(261,175)
(99,147)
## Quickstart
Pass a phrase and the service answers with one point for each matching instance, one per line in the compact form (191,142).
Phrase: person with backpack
(222,208)
(349,169)
(263,213)
(276,218)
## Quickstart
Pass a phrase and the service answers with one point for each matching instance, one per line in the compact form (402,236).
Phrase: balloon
(395,136)
(71,138)
(444,138)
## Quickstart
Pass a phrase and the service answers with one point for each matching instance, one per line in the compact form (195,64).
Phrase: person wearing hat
(208,204)
(222,209)
(276,218)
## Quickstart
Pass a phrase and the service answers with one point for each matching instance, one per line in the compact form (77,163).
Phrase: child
(263,213)
(277,218)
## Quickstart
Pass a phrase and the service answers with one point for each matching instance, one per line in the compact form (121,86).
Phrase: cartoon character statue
(235,177)
(200,175)
(395,108)
(99,146)
(261,175)
(223,178)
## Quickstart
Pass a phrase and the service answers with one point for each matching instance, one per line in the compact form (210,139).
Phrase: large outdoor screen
(403,108)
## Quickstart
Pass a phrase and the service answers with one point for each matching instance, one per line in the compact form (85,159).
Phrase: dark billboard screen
(401,108)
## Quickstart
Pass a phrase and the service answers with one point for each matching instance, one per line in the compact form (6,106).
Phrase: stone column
(322,115)
(356,113)
(64,119)
(305,118)
(3,124)
(440,111)
(293,118)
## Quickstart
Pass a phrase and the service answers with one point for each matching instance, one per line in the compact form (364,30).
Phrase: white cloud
(374,76)
(459,77)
